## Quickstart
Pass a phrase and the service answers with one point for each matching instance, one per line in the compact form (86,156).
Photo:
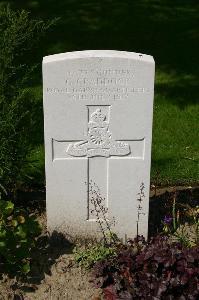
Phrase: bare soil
(54,274)
(65,281)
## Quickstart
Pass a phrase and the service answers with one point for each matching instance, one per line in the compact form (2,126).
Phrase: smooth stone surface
(98,108)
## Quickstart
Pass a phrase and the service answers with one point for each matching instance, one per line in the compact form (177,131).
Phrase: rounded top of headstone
(98,53)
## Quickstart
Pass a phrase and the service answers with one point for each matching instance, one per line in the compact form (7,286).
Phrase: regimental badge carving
(99,140)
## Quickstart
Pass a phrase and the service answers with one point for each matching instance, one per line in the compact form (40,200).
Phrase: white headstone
(98,108)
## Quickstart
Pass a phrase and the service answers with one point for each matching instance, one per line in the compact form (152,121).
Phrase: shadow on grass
(181,89)
(168,30)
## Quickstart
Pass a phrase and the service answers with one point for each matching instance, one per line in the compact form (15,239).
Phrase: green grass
(175,155)
(168,30)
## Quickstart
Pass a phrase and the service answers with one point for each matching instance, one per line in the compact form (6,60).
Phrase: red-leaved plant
(158,269)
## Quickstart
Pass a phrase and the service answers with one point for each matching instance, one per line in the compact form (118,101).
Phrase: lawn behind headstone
(165,30)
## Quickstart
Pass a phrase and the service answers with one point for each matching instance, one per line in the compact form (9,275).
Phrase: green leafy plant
(89,256)
(18,232)
(183,224)
(19,47)
(188,233)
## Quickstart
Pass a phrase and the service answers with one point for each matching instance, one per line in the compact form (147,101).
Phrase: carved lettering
(117,86)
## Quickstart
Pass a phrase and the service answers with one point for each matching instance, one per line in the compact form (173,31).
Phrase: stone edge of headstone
(98,53)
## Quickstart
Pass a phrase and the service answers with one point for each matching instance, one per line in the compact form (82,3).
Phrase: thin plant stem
(174,212)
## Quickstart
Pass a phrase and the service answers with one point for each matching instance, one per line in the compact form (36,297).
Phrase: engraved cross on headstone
(97,148)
